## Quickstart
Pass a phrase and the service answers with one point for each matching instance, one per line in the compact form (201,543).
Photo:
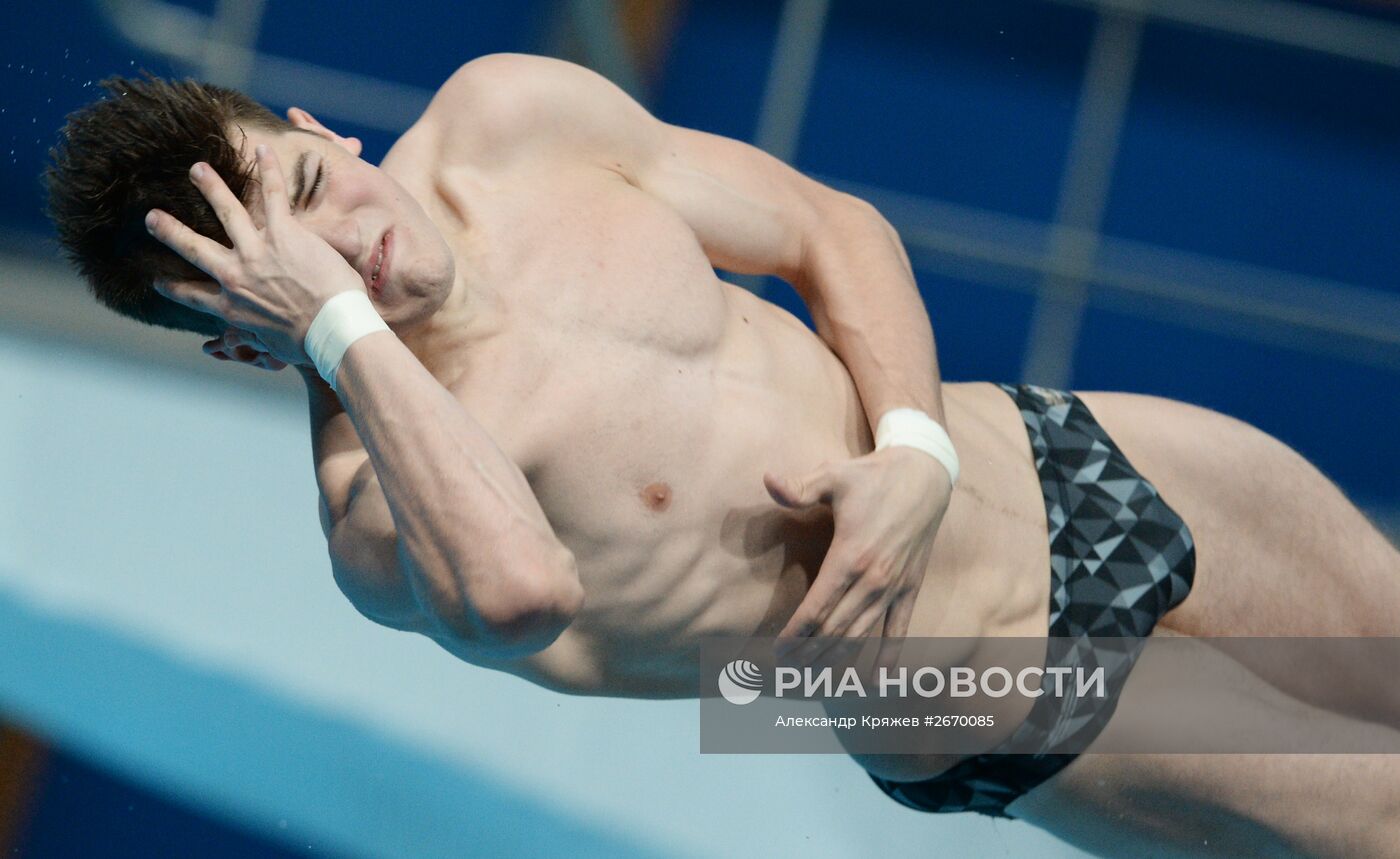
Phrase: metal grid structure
(1073,262)
(1070,262)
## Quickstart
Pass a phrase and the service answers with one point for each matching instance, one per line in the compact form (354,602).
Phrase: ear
(302,119)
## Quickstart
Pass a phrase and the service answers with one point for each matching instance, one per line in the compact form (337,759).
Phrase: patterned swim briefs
(1120,559)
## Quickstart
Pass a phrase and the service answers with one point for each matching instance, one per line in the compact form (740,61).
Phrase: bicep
(752,213)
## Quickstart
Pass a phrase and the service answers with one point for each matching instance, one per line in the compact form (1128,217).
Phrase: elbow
(519,614)
(868,214)
(853,213)
(840,219)
(534,617)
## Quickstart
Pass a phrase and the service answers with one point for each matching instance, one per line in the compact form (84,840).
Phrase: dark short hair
(130,152)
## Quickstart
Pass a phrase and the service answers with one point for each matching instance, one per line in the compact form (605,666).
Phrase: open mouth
(380,269)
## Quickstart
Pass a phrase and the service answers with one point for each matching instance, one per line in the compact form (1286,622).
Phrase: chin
(416,294)
(411,307)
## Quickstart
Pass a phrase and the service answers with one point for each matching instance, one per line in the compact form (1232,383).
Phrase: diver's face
(366,216)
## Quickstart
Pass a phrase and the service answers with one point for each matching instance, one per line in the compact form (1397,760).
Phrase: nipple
(656,496)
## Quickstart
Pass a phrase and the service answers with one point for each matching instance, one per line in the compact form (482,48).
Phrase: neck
(468,315)
(443,340)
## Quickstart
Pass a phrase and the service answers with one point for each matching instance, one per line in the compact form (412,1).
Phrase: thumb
(813,488)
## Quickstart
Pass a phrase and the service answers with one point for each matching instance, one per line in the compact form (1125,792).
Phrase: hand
(887,507)
(243,347)
(273,280)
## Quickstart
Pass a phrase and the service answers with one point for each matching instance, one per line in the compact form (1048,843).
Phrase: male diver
(550,438)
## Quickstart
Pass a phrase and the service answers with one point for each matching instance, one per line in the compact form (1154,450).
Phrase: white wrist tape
(341,321)
(913,428)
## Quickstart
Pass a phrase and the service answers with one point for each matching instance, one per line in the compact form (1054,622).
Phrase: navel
(656,496)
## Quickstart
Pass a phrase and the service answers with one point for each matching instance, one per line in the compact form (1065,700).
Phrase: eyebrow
(299,176)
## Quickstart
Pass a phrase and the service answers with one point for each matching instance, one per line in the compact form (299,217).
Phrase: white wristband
(913,428)
(342,320)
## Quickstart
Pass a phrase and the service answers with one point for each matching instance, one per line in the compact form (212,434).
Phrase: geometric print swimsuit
(1120,559)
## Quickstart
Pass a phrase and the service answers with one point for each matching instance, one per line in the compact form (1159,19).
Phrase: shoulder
(504,93)
(515,83)
(504,106)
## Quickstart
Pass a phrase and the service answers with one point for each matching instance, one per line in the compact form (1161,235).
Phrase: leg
(1228,805)
(1219,805)
(1251,502)
(1279,550)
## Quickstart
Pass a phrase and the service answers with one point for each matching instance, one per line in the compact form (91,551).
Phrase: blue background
(1237,149)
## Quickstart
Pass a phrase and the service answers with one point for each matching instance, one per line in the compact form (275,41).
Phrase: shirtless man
(579,452)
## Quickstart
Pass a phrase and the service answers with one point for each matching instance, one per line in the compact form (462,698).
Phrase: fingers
(896,627)
(871,622)
(900,613)
(236,337)
(274,185)
(201,252)
(227,207)
(814,488)
(841,638)
(853,617)
(202,295)
(832,582)
(849,600)
(243,347)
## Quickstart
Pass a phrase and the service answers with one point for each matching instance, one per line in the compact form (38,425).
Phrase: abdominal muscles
(659,494)
(654,397)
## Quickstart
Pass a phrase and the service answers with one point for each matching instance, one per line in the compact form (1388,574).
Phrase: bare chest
(648,462)
(644,399)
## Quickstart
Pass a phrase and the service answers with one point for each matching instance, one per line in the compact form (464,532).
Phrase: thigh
(1228,804)
(1280,551)
(1210,805)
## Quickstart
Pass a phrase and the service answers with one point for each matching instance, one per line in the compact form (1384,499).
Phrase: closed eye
(316,183)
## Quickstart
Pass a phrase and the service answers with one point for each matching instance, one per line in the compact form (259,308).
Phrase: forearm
(859,286)
(472,539)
